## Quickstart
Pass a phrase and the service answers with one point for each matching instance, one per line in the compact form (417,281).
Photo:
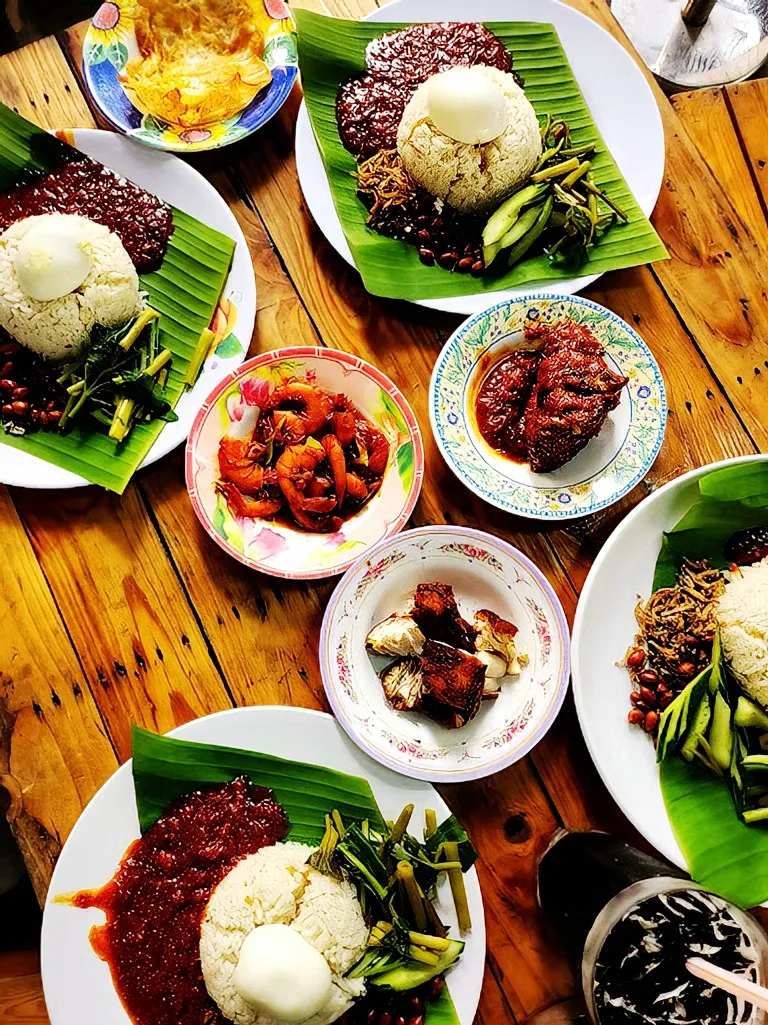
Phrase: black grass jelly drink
(635,922)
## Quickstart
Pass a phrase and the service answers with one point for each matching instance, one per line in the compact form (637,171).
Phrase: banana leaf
(165,768)
(332,50)
(722,852)
(185,290)
(730,499)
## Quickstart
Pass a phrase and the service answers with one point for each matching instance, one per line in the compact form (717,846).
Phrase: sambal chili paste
(156,900)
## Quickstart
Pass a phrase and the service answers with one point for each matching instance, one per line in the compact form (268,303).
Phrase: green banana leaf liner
(165,768)
(332,50)
(722,853)
(185,290)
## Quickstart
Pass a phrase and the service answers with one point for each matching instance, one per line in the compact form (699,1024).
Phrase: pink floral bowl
(272,546)
(485,572)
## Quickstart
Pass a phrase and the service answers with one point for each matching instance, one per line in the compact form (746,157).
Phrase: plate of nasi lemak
(126,293)
(254,867)
(456,163)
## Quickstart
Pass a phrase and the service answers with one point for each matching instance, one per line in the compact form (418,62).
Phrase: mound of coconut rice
(472,177)
(742,613)
(59,328)
(276,887)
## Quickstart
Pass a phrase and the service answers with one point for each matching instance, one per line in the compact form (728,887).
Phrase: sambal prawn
(303,455)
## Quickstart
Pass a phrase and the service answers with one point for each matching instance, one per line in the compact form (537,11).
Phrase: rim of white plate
(323,211)
(244,299)
(673,853)
(451,775)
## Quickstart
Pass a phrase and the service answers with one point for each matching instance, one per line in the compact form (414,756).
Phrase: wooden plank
(142,651)
(706,114)
(21,990)
(54,752)
(749,105)
(511,824)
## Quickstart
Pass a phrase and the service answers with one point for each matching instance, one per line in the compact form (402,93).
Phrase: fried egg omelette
(200,61)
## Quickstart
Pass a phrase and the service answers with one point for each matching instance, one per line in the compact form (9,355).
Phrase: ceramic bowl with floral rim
(274,546)
(485,573)
(605,470)
(110,42)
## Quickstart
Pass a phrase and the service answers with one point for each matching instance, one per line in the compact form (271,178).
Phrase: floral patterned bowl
(485,572)
(610,465)
(275,547)
(110,41)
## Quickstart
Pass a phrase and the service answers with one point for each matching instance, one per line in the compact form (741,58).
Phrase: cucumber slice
(409,976)
(501,220)
(524,243)
(524,223)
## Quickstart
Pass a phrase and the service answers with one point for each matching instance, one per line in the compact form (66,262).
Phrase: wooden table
(119,610)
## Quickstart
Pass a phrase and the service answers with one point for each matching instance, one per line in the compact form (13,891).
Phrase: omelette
(200,61)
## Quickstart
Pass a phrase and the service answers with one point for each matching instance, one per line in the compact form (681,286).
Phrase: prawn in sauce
(305,456)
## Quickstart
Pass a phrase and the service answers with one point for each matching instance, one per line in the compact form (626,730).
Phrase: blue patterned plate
(610,465)
(110,42)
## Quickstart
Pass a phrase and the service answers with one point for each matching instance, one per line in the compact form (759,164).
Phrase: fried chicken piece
(396,635)
(496,635)
(403,683)
(452,684)
(436,613)
(574,392)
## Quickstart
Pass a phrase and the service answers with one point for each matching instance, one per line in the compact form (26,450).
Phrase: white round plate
(485,572)
(604,628)
(605,470)
(618,96)
(77,984)
(181,185)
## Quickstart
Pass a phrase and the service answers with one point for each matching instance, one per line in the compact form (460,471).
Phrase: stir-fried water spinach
(397,876)
(120,379)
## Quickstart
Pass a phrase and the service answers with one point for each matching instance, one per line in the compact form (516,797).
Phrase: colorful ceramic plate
(110,42)
(485,572)
(110,823)
(275,547)
(611,464)
(181,185)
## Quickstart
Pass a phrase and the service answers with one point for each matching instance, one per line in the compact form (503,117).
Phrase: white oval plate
(78,985)
(177,183)
(485,572)
(604,628)
(620,99)
(610,465)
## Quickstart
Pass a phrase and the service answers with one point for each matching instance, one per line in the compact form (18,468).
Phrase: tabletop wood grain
(119,610)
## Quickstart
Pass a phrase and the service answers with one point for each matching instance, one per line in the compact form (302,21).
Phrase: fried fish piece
(436,613)
(497,635)
(396,635)
(403,683)
(452,684)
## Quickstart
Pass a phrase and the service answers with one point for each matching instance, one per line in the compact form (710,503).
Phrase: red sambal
(501,401)
(79,185)
(156,900)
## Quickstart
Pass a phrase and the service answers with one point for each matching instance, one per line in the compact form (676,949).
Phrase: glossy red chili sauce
(155,902)
(369,107)
(501,401)
(82,186)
